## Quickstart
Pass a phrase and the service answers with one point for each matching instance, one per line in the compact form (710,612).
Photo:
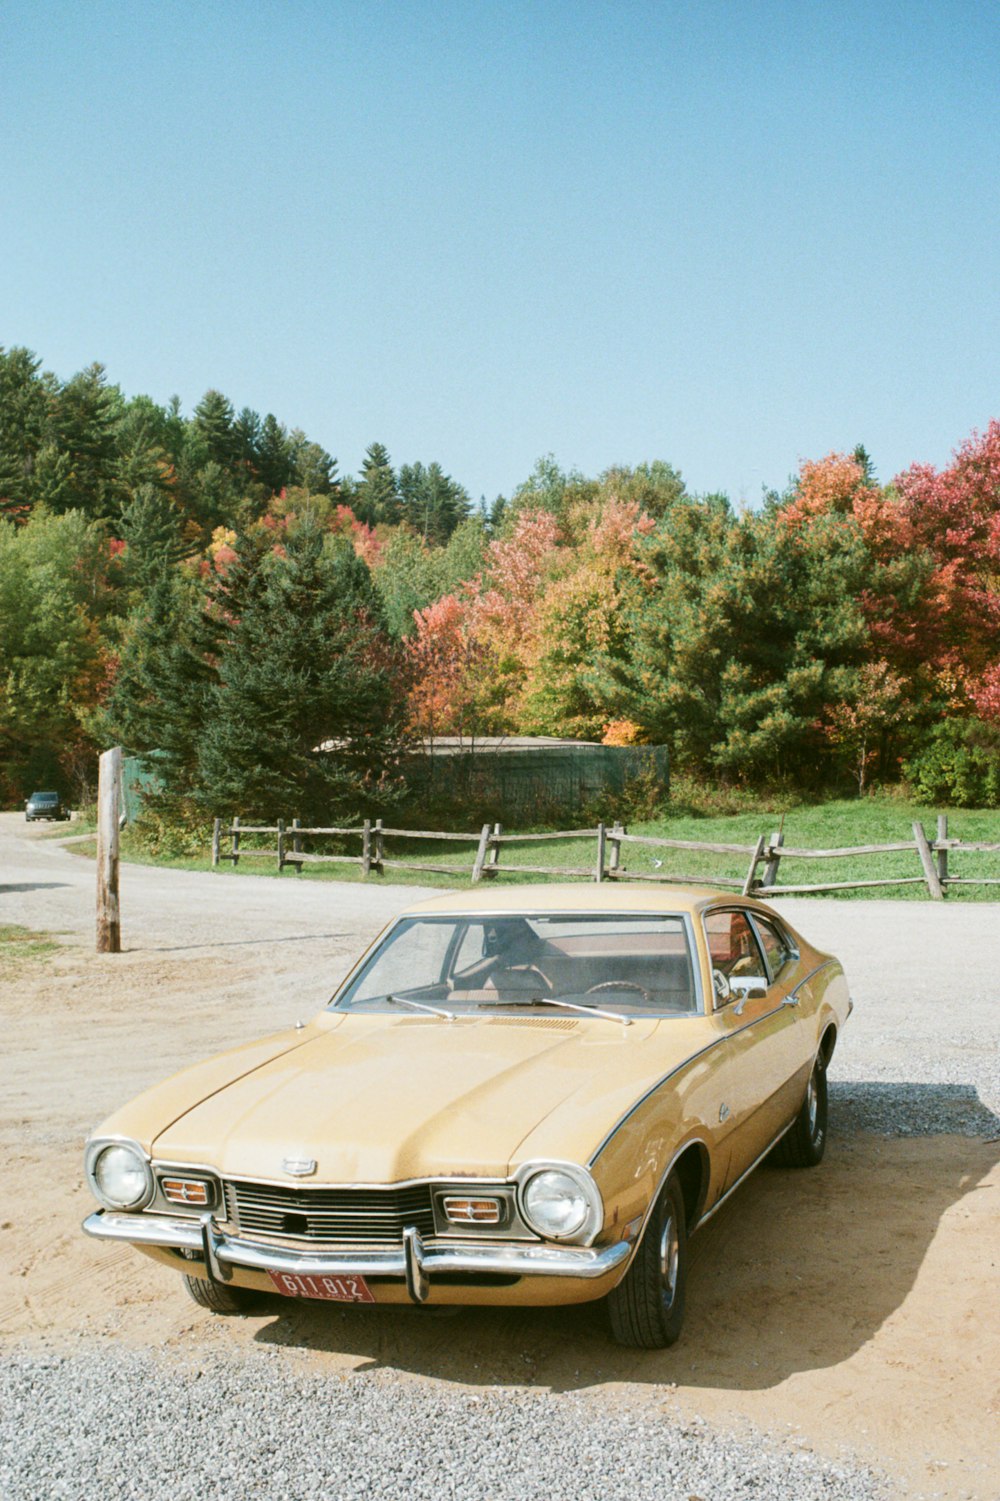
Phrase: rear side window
(776,945)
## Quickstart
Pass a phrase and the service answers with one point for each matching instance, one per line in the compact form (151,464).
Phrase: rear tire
(219,1299)
(646,1309)
(805,1143)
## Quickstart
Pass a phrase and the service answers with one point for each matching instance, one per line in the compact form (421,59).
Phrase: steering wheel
(619,985)
(525,970)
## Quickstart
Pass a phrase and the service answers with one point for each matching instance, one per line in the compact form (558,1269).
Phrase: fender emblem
(299,1167)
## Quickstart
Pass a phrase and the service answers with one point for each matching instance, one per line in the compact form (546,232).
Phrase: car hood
(374,1098)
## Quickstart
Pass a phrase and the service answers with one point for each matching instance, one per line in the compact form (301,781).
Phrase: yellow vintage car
(529,1095)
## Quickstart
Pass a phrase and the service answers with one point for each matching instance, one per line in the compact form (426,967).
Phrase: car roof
(603,896)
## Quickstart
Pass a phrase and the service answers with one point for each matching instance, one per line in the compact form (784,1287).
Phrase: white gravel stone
(120,1424)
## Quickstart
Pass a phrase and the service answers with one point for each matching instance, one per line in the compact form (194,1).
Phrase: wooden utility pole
(109,793)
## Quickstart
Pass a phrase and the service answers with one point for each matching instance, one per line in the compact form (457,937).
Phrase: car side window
(734,950)
(777,947)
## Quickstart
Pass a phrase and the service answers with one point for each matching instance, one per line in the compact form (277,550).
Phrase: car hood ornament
(299,1167)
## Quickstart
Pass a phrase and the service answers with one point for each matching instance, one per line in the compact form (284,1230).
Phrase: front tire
(646,1309)
(219,1299)
(805,1143)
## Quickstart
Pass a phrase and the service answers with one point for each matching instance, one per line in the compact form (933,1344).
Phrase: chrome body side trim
(716,1042)
(226,1252)
(704,1218)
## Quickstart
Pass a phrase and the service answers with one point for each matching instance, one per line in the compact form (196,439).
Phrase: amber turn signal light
(472,1211)
(187,1191)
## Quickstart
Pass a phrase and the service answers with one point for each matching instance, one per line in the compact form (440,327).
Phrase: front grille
(331,1216)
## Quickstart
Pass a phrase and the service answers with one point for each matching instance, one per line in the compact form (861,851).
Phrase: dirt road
(855,1307)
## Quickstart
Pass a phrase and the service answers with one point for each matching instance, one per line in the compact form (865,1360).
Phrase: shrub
(959,764)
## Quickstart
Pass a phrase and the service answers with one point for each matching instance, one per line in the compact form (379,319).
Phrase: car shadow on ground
(765,1273)
(266,940)
(6,886)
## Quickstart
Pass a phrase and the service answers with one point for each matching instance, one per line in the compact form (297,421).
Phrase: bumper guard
(414,1262)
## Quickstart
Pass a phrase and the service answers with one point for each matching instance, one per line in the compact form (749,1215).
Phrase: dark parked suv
(44,805)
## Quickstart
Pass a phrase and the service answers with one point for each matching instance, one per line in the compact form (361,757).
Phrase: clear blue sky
(728,235)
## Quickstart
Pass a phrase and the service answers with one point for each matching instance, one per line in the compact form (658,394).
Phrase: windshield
(625,963)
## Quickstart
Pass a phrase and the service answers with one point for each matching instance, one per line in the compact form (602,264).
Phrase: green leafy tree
(409,575)
(50,658)
(748,633)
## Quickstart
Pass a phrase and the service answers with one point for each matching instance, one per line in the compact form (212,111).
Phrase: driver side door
(762,1049)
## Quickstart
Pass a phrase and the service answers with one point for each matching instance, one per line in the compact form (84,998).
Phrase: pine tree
(158,698)
(315,469)
(23,411)
(213,429)
(376,497)
(151,526)
(275,461)
(305,718)
(82,426)
(432,502)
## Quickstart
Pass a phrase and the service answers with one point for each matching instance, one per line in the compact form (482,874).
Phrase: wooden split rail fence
(612,841)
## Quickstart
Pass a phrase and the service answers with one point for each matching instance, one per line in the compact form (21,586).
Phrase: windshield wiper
(401,1000)
(548,1000)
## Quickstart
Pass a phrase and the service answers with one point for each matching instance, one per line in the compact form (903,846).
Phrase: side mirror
(749,987)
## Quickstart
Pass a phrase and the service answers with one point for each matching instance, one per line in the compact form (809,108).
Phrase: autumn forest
(210,591)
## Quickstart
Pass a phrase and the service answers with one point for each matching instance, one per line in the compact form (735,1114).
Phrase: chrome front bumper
(414,1262)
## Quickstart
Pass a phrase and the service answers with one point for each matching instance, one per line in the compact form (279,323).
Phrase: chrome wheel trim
(812,1104)
(669,1259)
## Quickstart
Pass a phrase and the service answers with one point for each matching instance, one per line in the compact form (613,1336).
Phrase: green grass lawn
(875,820)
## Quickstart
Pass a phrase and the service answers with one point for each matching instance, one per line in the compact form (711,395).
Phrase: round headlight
(121,1176)
(555,1203)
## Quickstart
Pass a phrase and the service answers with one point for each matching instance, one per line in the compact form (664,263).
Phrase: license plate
(336,1289)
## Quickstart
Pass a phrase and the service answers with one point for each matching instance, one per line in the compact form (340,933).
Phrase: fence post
(235,831)
(615,855)
(281,845)
(494,856)
(379,847)
(942,855)
(297,845)
(109,782)
(484,844)
(601,846)
(774,858)
(748,884)
(366,847)
(924,851)
(216,828)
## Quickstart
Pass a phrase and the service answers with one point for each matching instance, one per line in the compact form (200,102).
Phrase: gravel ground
(122,1424)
